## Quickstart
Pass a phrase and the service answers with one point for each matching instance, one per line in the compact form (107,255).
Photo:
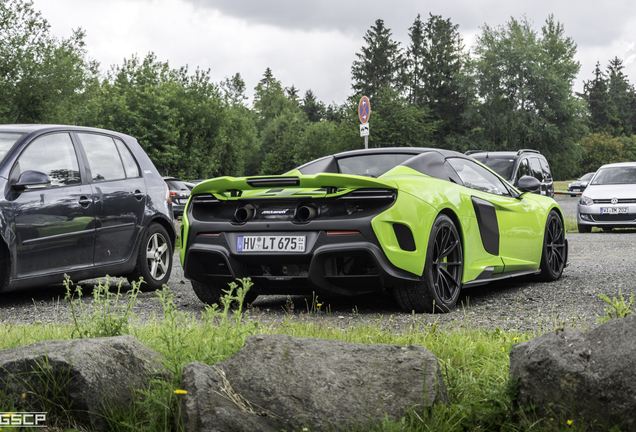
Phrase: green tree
(396,123)
(380,64)
(437,79)
(313,108)
(525,82)
(601,149)
(621,92)
(44,80)
(177,117)
(603,117)
(279,125)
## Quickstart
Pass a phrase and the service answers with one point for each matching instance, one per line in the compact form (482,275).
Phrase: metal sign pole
(364,112)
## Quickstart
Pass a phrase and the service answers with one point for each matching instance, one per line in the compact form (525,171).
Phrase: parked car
(514,165)
(580,184)
(609,201)
(179,194)
(80,201)
(419,223)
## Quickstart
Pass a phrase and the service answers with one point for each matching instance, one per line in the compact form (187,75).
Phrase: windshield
(373,165)
(502,166)
(587,177)
(615,175)
(6,142)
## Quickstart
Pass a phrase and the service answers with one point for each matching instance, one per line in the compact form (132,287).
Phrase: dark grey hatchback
(80,201)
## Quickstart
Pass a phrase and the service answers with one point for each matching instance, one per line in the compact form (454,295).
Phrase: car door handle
(84,201)
(138,195)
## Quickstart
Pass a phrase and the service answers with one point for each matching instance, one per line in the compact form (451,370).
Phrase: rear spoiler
(331,182)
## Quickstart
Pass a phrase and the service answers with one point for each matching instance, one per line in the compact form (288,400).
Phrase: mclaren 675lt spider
(417,223)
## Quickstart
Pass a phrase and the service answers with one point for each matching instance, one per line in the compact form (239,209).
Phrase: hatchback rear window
(177,185)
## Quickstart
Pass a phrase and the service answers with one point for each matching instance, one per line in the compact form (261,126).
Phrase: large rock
(90,372)
(591,375)
(283,381)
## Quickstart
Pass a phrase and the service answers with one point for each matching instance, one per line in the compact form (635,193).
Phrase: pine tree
(621,92)
(602,111)
(380,64)
(314,109)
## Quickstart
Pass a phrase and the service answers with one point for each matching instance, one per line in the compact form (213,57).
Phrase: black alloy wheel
(554,249)
(441,282)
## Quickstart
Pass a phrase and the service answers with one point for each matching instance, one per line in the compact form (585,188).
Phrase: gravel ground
(599,263)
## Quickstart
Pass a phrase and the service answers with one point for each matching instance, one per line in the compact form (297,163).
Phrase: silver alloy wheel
(157,256)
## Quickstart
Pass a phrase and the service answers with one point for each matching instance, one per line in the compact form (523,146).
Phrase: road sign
(364,130)
(364,109)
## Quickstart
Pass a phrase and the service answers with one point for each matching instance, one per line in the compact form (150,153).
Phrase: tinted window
(535,167)
(546,169)
(103,157)
(130,165)
(502,166)
(177,185)
(373,165)
(477,177)
(524,169)
(53,155)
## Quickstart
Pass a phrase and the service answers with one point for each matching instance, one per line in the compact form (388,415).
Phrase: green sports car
(420,223)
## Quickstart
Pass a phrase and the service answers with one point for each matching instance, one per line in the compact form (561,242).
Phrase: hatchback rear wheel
(154,258)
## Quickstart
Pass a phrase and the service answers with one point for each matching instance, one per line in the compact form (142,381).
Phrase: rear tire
(585,229)
(440,284)
(554,252)
(211,294)
(154,259)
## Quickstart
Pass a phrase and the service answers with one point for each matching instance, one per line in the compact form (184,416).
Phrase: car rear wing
(331,183)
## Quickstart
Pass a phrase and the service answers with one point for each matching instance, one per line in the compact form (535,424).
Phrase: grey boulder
(589,375)
(88,373)
(283,381)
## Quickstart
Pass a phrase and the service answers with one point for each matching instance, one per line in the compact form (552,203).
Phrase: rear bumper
(345,264)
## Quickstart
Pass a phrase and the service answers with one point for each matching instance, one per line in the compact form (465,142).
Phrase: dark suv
(80,201)
(513,165)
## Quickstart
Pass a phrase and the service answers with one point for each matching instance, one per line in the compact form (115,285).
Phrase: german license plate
(613,210)
(270,244)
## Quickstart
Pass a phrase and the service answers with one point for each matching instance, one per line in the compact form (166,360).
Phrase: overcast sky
(312,45)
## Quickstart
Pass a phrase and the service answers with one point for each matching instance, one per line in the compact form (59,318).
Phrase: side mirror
(30,180)
(528,184)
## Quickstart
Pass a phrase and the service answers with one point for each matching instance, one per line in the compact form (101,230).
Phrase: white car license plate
(613,210)
(270,244)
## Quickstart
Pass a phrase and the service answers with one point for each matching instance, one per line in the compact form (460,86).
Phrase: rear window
(177,185)
(502,166)
(373,165)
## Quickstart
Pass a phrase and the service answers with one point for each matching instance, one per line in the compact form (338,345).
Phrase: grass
(474,362)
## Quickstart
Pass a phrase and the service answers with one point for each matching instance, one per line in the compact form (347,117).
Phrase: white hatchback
(609,201)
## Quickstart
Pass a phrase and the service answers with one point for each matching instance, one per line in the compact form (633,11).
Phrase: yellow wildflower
(570,422)
(181,392)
